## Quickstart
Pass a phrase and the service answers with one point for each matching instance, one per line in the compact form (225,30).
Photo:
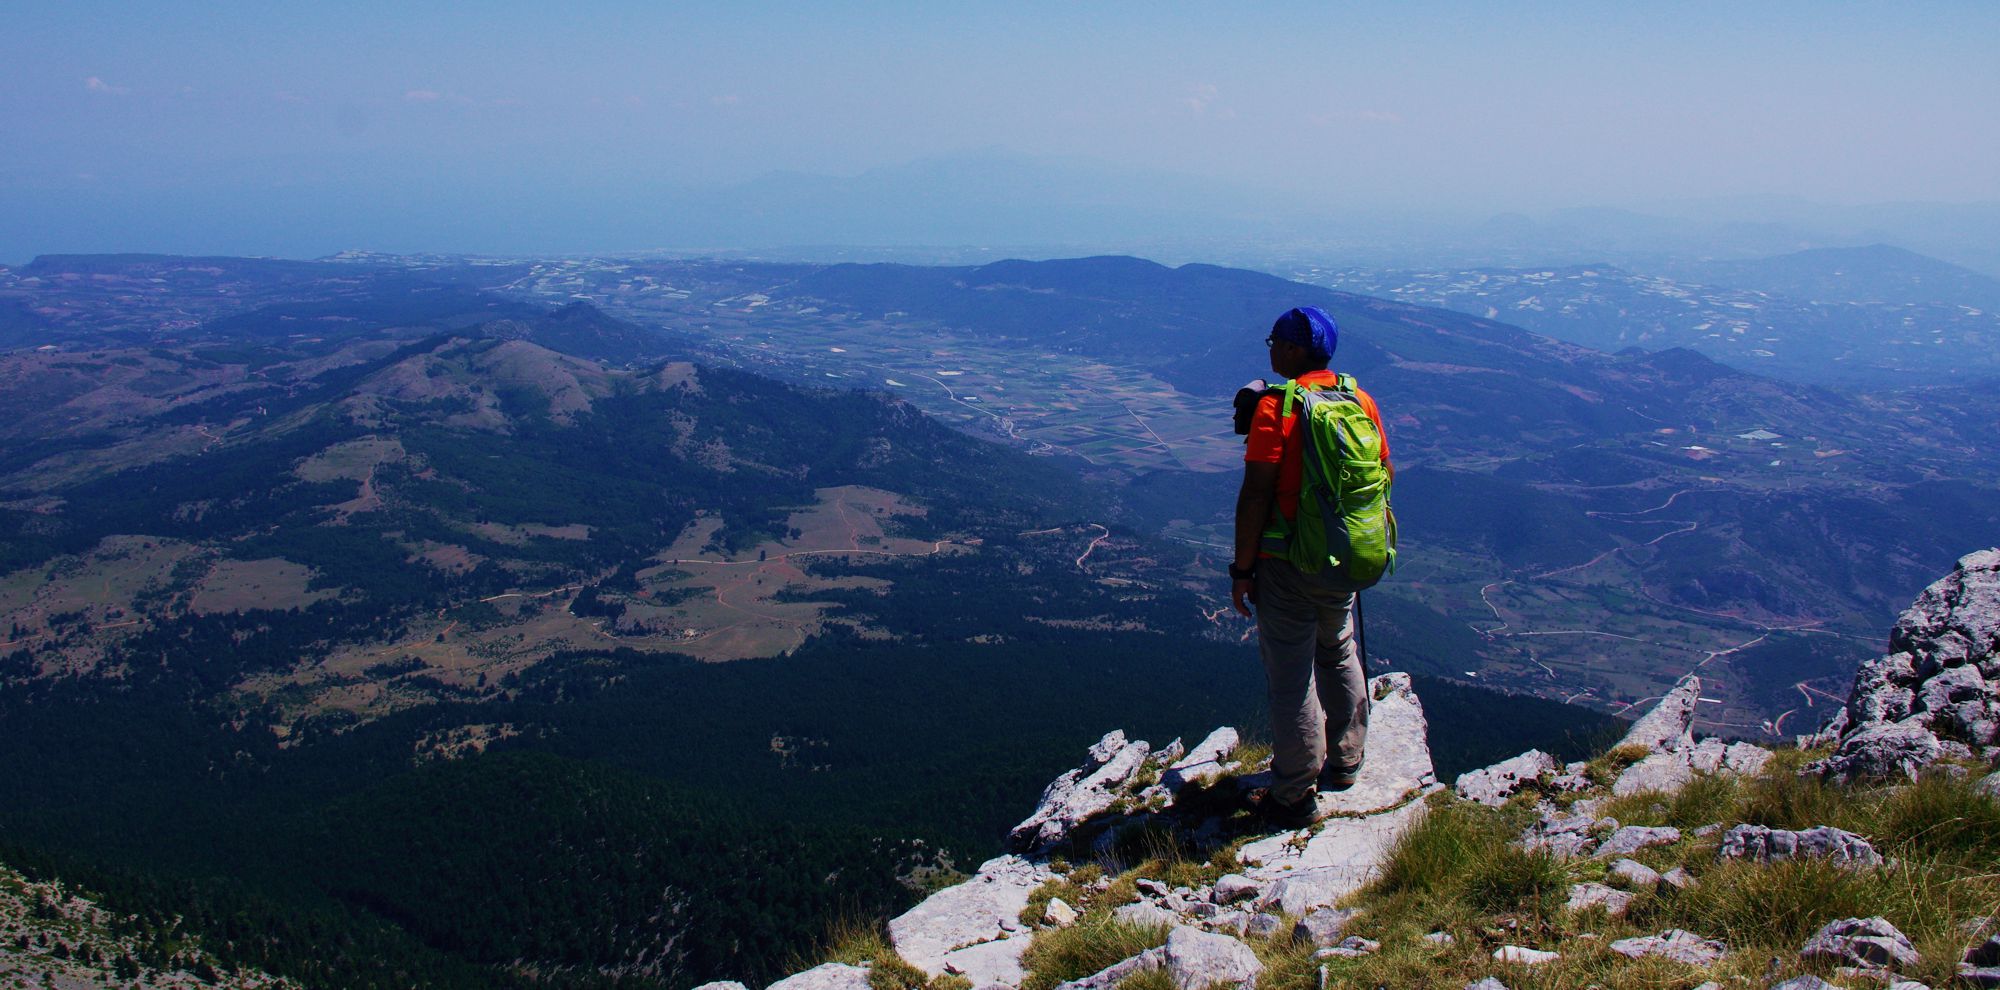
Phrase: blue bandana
(1309,327)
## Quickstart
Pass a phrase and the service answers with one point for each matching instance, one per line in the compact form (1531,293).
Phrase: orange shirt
(1276,441)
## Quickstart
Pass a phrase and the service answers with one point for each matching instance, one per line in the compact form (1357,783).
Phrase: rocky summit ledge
(1268,902)
(975,929)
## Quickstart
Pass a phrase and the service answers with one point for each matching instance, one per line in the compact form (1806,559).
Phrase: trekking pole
(1360,636)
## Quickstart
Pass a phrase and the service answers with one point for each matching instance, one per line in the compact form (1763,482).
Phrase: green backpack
(1345,534)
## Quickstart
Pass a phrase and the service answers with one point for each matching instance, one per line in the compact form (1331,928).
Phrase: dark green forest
(641,829)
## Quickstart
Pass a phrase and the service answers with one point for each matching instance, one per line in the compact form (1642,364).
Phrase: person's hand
(1243,592)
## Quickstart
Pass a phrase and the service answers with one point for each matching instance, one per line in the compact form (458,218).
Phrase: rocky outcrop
(1669,758)
(975,929)
(1493,785)
(1206,761)
(1669,727)
(1673,757)
(1936,693)
(1082,793)
(1398,768)
(1349,848)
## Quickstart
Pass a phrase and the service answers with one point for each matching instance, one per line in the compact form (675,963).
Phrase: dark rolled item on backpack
(1246,404)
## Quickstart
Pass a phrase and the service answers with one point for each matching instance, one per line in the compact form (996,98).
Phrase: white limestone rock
(1203,762)
(1669,727)
(1305,891)
(986,907)
(1665,772)
(1110,976)
(1633,838)
(1107,747)
(1493,785)
(1712,755)
(1865,943)
(1059,913)
(1989,785)
(1745,759)
(722,985)
(1145,913)
(1937,691)
(1398,766)
(831,976)
(1635,875)
(1342,856)
(1234,887)
(1082,793)
(1957,619)
(990,962)
(1566,834)
(1675,944)
(1521,955)
(1880,752)
(1198,960)
(1323,926)
(1351,947)
(1584,896)
(1806,983)
(1768,845)
(1488,983)
(1981,965)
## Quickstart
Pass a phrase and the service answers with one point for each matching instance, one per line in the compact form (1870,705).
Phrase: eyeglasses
(1271,341)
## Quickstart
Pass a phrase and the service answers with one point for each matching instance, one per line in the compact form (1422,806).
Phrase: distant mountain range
(1879,316)
(1877,273)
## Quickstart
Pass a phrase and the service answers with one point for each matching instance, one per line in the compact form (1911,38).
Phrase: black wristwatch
(1241,575)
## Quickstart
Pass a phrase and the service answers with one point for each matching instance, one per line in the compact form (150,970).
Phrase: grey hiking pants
(1319,693)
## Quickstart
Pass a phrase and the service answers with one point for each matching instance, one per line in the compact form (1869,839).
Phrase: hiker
(1305,624)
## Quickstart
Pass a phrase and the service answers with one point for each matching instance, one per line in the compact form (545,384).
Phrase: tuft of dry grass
(849,940)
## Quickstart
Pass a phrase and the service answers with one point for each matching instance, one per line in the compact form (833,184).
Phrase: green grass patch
(1150,979)
(1060,954)
(1706,800)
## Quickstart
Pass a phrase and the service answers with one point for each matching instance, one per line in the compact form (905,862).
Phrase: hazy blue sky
(296,128)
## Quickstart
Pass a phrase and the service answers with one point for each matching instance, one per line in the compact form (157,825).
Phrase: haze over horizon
(248,129)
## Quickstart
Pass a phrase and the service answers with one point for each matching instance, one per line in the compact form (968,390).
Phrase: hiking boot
(1339,778)
(1298,814)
